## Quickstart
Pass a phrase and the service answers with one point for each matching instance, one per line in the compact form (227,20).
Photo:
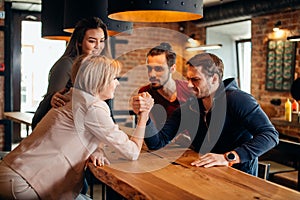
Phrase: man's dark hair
(164,48)
(210,63)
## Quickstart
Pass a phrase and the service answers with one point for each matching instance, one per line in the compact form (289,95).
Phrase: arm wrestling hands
(140,104)
(98,157)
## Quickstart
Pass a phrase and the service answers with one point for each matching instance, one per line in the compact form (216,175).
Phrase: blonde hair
(96,73)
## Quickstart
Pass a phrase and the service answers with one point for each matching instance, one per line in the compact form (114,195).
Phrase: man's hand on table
(213,159)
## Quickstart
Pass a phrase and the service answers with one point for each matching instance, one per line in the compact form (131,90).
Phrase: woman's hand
(143,105)
(60,99)
(98,158)
(142,102)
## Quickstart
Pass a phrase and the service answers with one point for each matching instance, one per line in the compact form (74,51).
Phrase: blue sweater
(235,122)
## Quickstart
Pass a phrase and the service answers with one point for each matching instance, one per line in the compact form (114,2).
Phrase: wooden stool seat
(276,167)
(288,179)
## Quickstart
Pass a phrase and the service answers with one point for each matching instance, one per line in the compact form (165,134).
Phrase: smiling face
(158,70)
(93,41)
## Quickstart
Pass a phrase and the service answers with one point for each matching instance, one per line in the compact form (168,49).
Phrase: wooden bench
(20,117)
(284,162)
(288,179)
(276,167)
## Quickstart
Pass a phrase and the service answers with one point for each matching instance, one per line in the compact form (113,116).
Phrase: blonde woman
(49,163)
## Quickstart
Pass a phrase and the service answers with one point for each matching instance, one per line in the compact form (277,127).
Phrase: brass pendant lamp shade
(52,20)
(155,10)
(77,10)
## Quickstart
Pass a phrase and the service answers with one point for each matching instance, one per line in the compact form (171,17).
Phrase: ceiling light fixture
(52,17)
(155,10)
(94,8)
(204,47)
(294,38)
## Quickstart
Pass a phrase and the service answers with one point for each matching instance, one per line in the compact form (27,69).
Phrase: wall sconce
(204,47)
(194,45)
(192,42)
(155,10)
(52,17)
(294,38)
(277,26)
(94,8)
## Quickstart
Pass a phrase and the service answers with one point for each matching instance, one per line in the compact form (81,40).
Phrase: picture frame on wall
(280,65)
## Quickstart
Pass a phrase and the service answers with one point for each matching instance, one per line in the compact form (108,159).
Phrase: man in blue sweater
(227,125)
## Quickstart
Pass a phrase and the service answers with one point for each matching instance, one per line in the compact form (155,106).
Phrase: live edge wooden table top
(167,174)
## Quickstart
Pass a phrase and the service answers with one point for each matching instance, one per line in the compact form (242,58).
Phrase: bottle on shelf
(288,110)
(295,106)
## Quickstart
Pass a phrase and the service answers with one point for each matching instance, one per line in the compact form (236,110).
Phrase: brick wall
(133,55)
(261,33)
(148,35)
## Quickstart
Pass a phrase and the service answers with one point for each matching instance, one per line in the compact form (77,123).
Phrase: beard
(156,86)
(155,83)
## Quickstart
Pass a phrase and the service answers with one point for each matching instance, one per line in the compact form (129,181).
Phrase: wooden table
(177,179)
(20,117)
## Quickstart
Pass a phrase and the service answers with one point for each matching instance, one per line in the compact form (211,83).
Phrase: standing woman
(49,163)
(89,37)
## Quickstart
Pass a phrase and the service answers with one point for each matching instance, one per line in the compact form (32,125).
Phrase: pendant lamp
(75,11)
(52,16)
(155,10)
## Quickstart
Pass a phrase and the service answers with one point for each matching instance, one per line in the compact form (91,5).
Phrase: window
(37,57)
(235,52)
(244,64)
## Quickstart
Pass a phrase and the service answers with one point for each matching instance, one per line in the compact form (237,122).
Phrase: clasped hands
(143,102)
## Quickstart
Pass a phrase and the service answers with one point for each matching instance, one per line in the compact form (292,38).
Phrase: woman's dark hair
(164,48)
(73,48)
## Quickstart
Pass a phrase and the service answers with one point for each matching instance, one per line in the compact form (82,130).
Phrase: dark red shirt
(163,108)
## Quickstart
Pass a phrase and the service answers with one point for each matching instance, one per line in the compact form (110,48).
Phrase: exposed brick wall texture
(133,56)
(261,33)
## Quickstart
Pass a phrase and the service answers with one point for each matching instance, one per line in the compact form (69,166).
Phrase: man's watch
(230,157)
